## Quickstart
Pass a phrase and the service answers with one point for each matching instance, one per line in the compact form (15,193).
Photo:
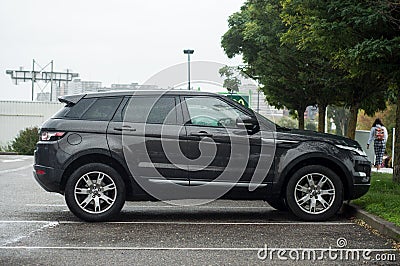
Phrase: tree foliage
(232,78)
(25,142)
(360,37)
(290,77)
(321,52)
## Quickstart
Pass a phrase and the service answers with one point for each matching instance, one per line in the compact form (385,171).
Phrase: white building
(16,116)
(257,101)
(78,86)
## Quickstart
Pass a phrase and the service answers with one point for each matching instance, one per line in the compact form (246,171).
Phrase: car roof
(75,98)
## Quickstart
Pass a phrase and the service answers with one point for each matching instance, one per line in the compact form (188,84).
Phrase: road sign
(242,99)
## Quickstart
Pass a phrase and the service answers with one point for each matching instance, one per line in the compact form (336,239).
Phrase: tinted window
(212,112)
(102,110)
(148,110)
(79,108)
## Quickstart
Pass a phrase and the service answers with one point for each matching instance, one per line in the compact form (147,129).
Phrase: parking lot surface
(36,228)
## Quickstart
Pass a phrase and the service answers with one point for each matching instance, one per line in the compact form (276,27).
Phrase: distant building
(257,101)
(43,96)
(78,86)
(131,86)
(148,87)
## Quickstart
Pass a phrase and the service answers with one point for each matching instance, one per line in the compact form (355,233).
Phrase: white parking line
(12,160)
(190,223)
(161,207)
(173,248)
(46,205)
(21,237)
(15,169)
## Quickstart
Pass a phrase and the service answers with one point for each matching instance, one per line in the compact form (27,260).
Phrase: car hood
(304,135)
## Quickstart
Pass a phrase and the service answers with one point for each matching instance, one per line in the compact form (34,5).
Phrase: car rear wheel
(314,193)
(95,192)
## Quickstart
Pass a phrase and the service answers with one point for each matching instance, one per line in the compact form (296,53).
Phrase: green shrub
(26,140)
(288,122)
(310,125)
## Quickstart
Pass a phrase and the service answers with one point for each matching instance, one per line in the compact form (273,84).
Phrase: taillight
(51,136)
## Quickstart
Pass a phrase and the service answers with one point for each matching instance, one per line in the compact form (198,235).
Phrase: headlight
(353,149)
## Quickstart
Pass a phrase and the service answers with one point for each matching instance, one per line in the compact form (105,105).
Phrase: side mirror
(250,123)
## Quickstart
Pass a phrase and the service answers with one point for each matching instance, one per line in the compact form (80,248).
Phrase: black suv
(102,149)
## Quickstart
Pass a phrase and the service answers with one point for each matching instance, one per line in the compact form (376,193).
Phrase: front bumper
(361,177)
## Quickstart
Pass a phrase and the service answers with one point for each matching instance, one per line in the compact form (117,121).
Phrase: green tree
(25,142)
(339,115)
(232,78)
(289,77)
(361,38)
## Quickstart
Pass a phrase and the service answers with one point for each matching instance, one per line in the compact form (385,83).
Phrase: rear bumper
(48,178)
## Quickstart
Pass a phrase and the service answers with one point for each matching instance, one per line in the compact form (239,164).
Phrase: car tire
(95,192)
(314,193)
(279,204)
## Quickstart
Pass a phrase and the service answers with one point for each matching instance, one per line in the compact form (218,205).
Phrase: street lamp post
(188,52)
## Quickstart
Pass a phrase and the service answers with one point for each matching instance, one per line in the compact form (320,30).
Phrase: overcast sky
(120,41)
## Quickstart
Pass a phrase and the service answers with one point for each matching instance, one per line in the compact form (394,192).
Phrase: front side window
(212,112)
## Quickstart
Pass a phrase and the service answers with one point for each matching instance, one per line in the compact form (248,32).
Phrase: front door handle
(201,134)
(124,128)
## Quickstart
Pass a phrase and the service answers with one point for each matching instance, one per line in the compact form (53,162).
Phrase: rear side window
(103,109)
(148,110)
(79,108)
(98,109)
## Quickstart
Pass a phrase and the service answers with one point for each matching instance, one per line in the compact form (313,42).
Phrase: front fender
(311,153)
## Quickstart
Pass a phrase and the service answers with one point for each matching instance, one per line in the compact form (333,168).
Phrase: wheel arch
(98,158)
(316,159)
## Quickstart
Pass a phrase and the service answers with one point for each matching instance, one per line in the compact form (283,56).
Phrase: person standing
(379,135)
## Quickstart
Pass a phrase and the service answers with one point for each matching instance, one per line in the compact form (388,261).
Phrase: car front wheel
(314,193)
(95,192)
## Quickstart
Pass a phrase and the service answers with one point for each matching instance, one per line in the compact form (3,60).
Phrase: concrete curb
(382,226)
(8,153)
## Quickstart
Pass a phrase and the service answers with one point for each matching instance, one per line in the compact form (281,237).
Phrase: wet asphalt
(36,228)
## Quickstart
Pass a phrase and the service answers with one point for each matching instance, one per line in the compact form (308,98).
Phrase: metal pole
(33,78)
(258,100)
(66,84)
(189,71)
(51,80)
(188,52)
(393,141)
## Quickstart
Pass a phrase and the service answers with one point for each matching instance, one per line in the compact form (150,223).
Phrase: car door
(224,153)
(145,132)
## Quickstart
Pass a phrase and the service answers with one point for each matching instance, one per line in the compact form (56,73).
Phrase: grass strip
(382,199)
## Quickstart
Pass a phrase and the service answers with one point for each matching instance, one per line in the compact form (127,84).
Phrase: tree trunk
(396,162)
(352,124)
(321,117)
(300,114)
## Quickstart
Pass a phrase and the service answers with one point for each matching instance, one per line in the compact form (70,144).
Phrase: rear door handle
(201,134)
(124,128)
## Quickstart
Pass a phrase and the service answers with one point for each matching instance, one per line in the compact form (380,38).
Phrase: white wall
(17,115)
